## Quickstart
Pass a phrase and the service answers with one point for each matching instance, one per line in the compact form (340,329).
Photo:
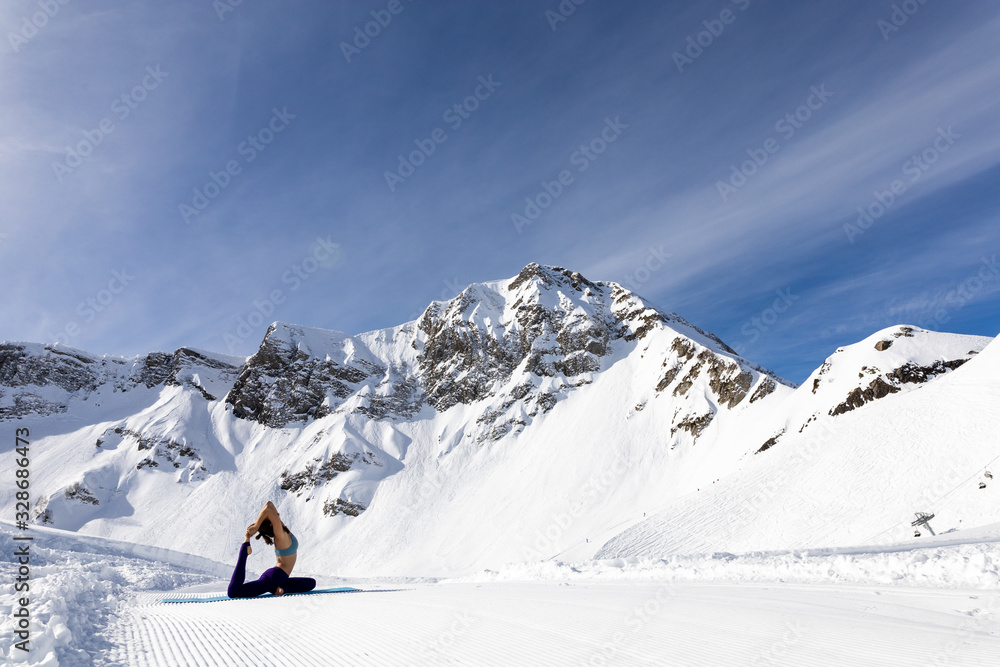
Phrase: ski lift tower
(923,520)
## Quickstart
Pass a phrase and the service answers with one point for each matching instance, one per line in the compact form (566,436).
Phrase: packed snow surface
(98,602)
(658,501)
(858,478)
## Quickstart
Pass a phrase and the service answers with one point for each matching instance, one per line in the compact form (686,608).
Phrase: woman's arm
(269,512)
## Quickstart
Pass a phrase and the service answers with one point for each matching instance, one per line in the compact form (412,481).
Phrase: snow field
(853,479)
(971,566)
(580,623)
(97,602)
(78,587)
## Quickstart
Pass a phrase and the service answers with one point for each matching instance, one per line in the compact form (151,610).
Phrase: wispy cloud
(655,187)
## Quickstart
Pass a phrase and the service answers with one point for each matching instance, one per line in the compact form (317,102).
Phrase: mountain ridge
(545,372)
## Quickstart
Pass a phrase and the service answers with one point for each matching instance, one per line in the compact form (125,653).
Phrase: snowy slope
(524,420)
(98,602)
(858,477)
(477,428)
(598,472)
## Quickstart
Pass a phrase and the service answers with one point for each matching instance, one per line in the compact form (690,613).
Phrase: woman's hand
(251,530)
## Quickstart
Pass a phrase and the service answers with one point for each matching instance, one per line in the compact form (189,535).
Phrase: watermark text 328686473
(21,612)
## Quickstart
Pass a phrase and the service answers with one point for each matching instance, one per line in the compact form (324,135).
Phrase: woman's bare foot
(279,591)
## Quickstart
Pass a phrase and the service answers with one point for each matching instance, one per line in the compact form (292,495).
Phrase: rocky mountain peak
(548,277)
(542,360)
(895,359)
(41,379)
(519,345)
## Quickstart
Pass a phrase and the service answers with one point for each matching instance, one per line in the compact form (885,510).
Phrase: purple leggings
(268,582)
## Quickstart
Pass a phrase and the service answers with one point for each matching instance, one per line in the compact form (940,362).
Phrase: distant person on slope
(277,580)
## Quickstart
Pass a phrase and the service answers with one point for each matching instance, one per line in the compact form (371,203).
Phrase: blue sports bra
(290,550)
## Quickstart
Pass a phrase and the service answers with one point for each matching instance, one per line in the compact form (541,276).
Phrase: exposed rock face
(767,386)
(176,455)
(728,380)
(341,506)
(26,368)
(554,323)
(160,368)
(81,494)
(158,450)
(67,370)
(464,360)
(23,366)
(891,382)
(770,442)
(282,383)
(334,416)
(878,388)
(694,425)
(320,472)
(545,323)
(495,342)
(914,373)
(513,349)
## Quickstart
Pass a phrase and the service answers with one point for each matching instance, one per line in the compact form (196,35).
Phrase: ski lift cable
(966,480)
(938,501)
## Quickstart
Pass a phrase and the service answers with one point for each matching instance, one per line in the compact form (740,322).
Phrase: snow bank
(975,565)
(79,587)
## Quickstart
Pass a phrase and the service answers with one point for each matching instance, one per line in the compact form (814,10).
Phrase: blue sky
(114,114)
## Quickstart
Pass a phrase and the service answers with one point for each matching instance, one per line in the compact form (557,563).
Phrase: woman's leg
(267,583)
(240,573)
(299,585)
(273,579)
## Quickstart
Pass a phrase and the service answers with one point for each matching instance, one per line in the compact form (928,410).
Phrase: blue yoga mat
(265,595)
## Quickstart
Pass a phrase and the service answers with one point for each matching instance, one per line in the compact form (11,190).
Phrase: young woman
(277,580)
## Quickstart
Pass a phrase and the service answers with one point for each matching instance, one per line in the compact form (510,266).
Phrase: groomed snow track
(536,623)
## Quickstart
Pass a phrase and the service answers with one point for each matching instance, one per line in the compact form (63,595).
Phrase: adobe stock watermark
(787,126)
(636,619)
(297,617)
(454,116)
(563,11)
(452,288)
(597,487)
(967,290)
(249,149)
(776,652)
(223,7)
(655,260)
(765,319)
(33,23)
(323,253)
(970,634)
(444,645)
(372,29)
(88,309)
(714,28)
(899,17)
(581,158)
(915,168)
(121,108)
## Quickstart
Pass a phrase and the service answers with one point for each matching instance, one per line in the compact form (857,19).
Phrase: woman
(277,580)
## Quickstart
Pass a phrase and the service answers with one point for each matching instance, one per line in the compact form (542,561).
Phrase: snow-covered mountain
(856,478)
(525,419)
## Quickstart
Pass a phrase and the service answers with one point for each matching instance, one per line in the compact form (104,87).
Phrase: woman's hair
(266,531)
